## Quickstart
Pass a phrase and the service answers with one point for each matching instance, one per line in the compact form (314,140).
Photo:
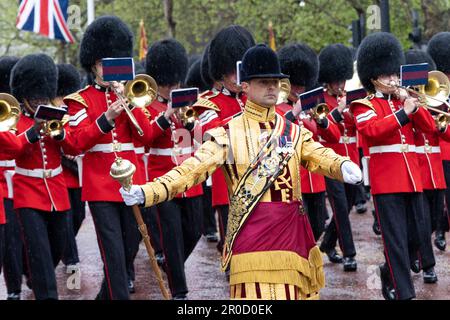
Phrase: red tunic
(430,160)
(347,145)
(313,182)
(394,166)
(46,193)
(86,133)
(160,160)
(229,105)
(4,158)
(72,180)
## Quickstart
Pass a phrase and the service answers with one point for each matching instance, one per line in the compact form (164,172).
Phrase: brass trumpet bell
(441,121)
(187,115)
(9,112)
(285,91)
(141,91)
(436,90)
(320,112)
(54,128)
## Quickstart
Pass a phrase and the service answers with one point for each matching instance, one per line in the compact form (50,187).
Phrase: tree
(194,23)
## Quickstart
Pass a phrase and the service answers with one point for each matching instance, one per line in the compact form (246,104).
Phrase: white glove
(134,196)
(351,172)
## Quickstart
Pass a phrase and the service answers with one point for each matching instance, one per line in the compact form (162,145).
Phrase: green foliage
(317,22)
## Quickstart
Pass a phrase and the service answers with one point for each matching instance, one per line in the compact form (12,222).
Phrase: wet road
(205,280)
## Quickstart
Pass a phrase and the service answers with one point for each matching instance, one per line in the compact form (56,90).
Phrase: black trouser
(446,164)
(341,197)
(150,216)
(223,222)
(209,216)
(44,237)
(401,218)
(420,247)
(315,207)
(434,206)
(118,240)
(181,223)
(75,218)
(13,258)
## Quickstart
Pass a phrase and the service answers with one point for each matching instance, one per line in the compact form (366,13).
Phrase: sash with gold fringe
(262,172)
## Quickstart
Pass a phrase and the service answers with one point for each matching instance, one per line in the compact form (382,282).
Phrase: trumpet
(187,115)
(441,121)
(431,95)
(320,112)
(9,112)
(140,92)
(54,128)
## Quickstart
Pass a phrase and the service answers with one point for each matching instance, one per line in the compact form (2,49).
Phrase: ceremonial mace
(122,171)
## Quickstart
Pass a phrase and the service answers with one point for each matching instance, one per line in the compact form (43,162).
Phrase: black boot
(429,276)
(350,264)
(415,266)
(439,240)
(387,289)
(333,256)
(361,207)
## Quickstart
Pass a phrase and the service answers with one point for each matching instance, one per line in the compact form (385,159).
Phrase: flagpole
(90,10)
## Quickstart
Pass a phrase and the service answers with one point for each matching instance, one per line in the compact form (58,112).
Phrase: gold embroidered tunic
(231,147)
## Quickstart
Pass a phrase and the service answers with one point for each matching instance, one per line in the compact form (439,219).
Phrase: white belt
(428,149)
(140,150)
(39,173)
(112,147)
(393,148)
(7,163)
(347,140)
(170,151)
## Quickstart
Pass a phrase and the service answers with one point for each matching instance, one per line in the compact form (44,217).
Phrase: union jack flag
(46,17)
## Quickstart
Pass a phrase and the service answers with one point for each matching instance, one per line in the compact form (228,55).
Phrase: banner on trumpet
(414,74)
(312,98)
(118,69)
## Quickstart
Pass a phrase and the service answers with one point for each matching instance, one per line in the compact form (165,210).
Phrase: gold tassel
(279,267)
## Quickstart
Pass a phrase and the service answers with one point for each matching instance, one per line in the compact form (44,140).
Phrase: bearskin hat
(415,56)
(336,63)
(228,47)
(69,80)
(204,68)
(300,62)
(439,50)
(35,76)
(167,62)
(379,53)
(6,65)
(106,37)
(194,77)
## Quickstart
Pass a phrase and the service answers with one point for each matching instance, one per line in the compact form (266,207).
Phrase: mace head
(122,170)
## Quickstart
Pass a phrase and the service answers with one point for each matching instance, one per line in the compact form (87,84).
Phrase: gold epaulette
(206,103)
(365,101)
(208,94)
(77,97)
